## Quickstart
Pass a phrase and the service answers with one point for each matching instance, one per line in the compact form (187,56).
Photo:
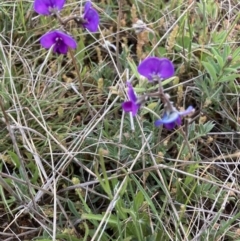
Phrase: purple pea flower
(132,105)
(60,40)
(91,17)
(172,118)
(156,67)
(47,7)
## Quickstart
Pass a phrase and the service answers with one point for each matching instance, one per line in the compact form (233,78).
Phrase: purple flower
(60,40)
(170,119)
(132,105)
(161,67)
(47,7)
(91,17)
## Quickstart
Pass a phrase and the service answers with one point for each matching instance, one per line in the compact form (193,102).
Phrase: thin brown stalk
(118,36)
(80,83)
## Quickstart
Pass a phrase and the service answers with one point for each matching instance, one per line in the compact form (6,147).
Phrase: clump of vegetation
(119,120)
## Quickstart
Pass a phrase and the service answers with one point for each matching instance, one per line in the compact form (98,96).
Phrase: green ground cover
(72,168)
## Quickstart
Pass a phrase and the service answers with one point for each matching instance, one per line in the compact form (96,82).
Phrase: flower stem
(63,22)
(131,121)
(118,35)
(79,21)
(80,83)
(164,97)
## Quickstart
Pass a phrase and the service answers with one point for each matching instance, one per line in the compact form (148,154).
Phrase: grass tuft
(72,168)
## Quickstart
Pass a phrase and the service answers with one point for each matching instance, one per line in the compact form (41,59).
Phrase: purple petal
(60,48)
(67,39)
(166,69)
(48,39)
(153,66)
(92,18)
(188,111)
(158,123)
(135,108)
(131,94)
(87,6)
(178,121)
(132,105)
(170,126)
(169,120)
(59,4)
(60,40)
(44,6)
(129,106)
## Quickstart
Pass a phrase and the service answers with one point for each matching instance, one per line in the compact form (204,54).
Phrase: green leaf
(133,67)
(210,69)
(67,237)
(73,209)
(45,239)
(218,57)
(205,128)
(14,158)
(81,50)
(99,217)
(138,200)
(228,78)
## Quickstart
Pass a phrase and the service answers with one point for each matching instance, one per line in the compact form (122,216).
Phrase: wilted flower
(107,44)
(140,26)
(60,40)
(47,7)
(91,17)
(173,117)
(156,67)
(132,105)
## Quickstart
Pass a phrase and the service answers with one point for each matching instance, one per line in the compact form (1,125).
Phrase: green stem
(80,83)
